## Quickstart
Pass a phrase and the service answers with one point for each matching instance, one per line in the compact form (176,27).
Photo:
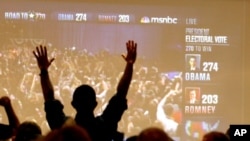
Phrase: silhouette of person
(103,127)
(132,138)
(68,133)
(153,134)
(28,131)
(215,136)
(8,131)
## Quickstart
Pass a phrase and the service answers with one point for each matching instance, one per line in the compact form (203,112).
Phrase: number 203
(210,99)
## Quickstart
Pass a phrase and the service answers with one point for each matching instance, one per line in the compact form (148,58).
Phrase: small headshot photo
(192,95)
(192,62)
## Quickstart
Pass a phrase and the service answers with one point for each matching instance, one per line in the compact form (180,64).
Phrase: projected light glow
(188,56)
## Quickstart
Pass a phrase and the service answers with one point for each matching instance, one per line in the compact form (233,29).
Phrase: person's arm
(130,58)
(53,108)
(43,64)
(12,117)
(118,103)
(160,113)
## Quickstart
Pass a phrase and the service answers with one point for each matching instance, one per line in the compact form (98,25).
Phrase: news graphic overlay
(204,81)
(199,103)
(188,77)
(239,132)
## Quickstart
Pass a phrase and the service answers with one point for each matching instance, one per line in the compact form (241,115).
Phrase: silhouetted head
(132,138)
(153,134)
(215,136)
(68,133)
(228,132)
(84,98)
(28,131)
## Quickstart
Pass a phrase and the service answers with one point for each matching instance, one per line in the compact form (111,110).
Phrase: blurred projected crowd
(154,97)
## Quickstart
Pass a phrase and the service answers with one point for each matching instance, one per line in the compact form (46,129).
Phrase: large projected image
(188,71)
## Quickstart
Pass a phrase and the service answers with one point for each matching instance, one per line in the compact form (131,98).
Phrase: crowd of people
(48,93)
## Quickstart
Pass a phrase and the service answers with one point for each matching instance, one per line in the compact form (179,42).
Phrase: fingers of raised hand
(131,46)
(51,60)
(40,51)
(131,49)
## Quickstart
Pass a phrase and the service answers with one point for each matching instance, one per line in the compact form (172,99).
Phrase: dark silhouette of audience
(215,136)
(228,132)
(153,134)
(68,133)
(8,131)
(16,131)
(102,127)
(132,138)
(28,131)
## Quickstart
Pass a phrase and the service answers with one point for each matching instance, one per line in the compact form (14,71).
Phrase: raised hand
(4,101)
(131,52)
(42,59)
